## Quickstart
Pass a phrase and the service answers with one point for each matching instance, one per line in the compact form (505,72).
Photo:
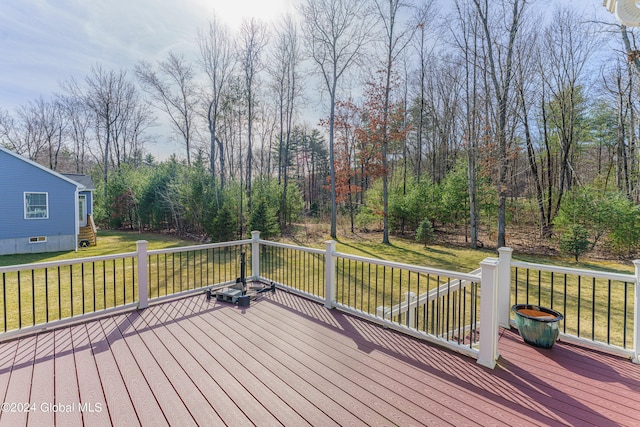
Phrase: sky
(46,42)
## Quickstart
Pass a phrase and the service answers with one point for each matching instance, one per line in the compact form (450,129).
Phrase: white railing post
(411,297)
(255,255)
(636,316)
(330,274)
(488,313)
(504,287)
(143,275)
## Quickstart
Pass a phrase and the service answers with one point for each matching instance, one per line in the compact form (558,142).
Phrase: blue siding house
(42,210)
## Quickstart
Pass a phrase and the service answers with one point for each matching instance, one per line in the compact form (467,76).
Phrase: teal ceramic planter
(538,326)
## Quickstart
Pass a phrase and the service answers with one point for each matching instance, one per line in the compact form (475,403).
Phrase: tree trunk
(332,165)
(533,165)
(502,86)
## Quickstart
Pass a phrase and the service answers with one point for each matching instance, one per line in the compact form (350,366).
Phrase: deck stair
(88,234)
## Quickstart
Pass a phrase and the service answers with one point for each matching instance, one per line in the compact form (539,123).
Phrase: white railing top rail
(74,261)
(64,262)
(414,268)
(294,247)
(575,271)
(199,247)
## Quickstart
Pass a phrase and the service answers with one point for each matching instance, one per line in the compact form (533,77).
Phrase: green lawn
(109,242)
(400,250)
(454,258)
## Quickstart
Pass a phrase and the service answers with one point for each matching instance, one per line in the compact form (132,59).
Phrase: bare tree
(285,74)
(253,35)
(527,84)
(424,50)
(499,56)
(38,131)
(172,90)
(266,131)
(567,45)
(132,134)
(395,41)
(23,133)
(6,123)
(77,131)
(629,157)
(217,60)
(52,124)
(336,32)
(112,100)
(467,40)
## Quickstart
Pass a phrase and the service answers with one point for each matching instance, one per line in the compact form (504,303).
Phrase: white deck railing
(374,289)
(601,309)
(461,311)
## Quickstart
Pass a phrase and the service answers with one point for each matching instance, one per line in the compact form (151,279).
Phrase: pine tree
(262,219)
(224,226)
(575,241)
(424,233)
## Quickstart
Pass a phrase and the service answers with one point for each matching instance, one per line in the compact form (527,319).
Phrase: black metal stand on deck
(237,293)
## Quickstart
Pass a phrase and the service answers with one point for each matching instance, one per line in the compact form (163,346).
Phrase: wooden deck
(289,361)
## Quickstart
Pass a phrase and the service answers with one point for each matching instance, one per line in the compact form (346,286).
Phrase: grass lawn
(447,257)
(109,242)
(368,245)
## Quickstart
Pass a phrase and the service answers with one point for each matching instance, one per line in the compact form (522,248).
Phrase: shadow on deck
(288,361)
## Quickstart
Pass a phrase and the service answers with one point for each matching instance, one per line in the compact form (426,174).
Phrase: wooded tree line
(488,115)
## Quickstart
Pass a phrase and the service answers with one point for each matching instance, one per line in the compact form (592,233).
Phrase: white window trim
(39,239)
(24,198)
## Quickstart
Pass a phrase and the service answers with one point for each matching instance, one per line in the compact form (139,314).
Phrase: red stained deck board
(90,388)
(261,359)
(338,395)
(119,403)
(432,393)
(7,361)
(67,394)
(205,353)
(365,404)
(266,371)
(147,408)
(303,364)
(601,371)
(7,356)
(198,373)
(168,399)
(226,357)
(42,386)
(19,388)
(387,400)
(192,398)
(404,363)
(485,383)
(573,386)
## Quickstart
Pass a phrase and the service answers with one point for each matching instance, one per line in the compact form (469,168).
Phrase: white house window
(36,205)
(39,239)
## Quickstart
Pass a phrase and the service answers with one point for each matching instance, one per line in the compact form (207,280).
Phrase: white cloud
(235,10)
(44,42)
